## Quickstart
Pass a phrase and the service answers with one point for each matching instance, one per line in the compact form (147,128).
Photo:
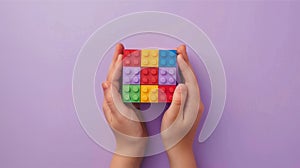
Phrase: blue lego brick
(167,58)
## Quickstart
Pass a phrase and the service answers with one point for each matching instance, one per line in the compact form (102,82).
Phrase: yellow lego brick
(149,93)
(149,58)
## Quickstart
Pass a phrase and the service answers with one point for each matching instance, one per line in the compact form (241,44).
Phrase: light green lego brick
(131,93)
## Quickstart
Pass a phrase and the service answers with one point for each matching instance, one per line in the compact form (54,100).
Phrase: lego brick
(131,75)
(149,93)
(167,58)
(131,58)
(149,76)
(131,93)
(149,58)
(165,93)
(167,76)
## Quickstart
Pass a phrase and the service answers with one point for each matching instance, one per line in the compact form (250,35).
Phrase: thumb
(177,104)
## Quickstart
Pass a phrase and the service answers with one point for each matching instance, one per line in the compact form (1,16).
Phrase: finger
(178,102)
(193,99)
(117,72)
(186,70)
(182,50)
(113,99)
(107,112)
(118,50)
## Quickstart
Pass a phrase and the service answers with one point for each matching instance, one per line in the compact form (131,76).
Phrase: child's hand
(184,112)
(122,119)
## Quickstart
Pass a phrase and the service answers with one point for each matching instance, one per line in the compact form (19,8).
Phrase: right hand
(124,122)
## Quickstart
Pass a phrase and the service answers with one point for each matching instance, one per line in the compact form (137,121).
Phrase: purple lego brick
(167,76)
(131,75)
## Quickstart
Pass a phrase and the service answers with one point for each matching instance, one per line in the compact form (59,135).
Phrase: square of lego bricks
(131,75)
(149,58)
(149,93)
(167,58)
(167,76)
(131,58)
(149,76)
(165,93)
(131,93)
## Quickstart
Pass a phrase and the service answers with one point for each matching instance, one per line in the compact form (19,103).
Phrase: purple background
(258,43)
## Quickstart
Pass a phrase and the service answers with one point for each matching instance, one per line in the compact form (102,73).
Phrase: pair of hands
(179,121)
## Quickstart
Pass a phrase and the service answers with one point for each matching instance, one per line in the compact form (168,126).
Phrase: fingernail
(120,56)
(179,88)
(104,85)
(118,46)
(179,56)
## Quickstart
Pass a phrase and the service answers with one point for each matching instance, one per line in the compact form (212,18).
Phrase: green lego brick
(131,93)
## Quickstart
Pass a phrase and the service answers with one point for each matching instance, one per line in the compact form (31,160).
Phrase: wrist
(181,155)
(179,158)
(131,148)
(178,151)
(129,145)
(125,161)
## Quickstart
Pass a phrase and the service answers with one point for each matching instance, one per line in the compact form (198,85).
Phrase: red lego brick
(149,76)
(165,93)
(132,58)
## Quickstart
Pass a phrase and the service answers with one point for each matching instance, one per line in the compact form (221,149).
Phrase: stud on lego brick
(149,58)
(167,76)
(165,93)
(131,58)
(149,93)
(131,75)
(131,93)
(149,76)
(167,58)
